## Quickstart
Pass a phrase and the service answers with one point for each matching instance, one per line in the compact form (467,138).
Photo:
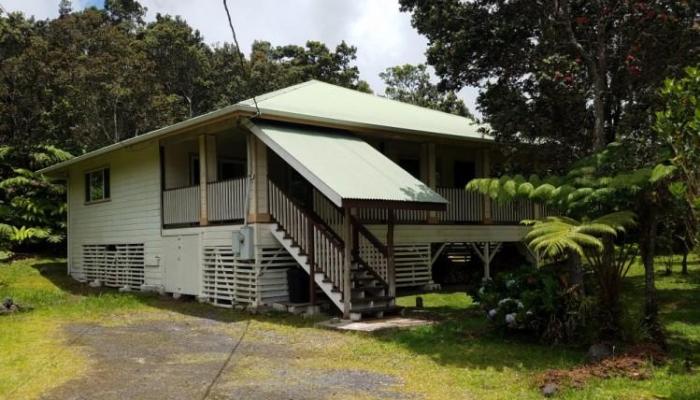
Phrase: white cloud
(383,35)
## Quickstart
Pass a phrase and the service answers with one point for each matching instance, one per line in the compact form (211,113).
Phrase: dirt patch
(179,359)
(633,364)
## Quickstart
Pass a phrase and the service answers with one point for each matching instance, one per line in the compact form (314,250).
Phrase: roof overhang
(346,169)
(180,127)
(274,112)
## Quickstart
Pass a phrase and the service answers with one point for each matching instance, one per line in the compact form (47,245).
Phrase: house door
(182,267)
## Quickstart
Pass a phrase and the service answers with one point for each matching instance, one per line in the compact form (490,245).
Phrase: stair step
(373,290)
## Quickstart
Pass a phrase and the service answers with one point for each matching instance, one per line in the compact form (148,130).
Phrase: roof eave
(395,204)
(236,109)
(286,116)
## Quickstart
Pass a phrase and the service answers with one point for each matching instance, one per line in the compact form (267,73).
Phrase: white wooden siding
(132,215)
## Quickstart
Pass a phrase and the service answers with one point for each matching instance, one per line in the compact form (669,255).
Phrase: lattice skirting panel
(114,265)
(227,280)
(412,264)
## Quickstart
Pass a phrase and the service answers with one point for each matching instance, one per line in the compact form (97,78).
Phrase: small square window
(97,185)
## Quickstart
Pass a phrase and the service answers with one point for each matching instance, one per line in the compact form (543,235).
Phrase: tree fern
(557,236)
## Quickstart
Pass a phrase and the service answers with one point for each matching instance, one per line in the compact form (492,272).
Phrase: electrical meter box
(243,243)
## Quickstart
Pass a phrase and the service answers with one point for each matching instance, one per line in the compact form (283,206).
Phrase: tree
(678,123)
(64,8)
(107,76)
(182,60)
(272,68)
(411,84)
(594,240)
(576,74)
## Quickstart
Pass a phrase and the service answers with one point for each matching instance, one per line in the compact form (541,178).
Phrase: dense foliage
(538,302)
(411,84)
(96,76)
(679,124)
(568,75)
(32,208)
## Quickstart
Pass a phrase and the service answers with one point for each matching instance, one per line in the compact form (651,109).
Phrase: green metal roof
(323,102)
(342,166)
(319,103)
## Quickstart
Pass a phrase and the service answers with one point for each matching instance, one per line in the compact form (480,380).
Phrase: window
(97,185)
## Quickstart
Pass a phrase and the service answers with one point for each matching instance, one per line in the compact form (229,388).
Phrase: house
(361,192)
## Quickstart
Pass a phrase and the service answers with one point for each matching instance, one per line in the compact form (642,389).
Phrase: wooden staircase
(358,291)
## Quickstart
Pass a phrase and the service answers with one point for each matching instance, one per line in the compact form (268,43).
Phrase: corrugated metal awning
(346,169)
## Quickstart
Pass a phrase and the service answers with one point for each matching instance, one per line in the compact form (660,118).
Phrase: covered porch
(204,179)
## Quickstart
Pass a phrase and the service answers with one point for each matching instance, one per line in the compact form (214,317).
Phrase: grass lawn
(457,358)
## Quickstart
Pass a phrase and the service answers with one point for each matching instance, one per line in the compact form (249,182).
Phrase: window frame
(106,185)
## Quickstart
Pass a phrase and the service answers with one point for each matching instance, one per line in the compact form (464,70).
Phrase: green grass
(457,357)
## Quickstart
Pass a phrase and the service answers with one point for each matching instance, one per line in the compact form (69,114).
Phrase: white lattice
(412,263)
(115,265)
(227,280)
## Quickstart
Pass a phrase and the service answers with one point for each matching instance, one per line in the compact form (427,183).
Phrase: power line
(228,359)
(240,55)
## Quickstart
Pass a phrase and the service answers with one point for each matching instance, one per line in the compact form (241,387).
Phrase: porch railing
(226,200)
(512,211)
(181,206)
(463,206)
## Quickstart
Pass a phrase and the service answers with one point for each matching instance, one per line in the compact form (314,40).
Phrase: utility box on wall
(244,244)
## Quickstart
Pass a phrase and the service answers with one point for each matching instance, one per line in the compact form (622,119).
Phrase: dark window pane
(106,183)
(87,187)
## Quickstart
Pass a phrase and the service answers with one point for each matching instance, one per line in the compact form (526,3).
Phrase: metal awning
(346,169)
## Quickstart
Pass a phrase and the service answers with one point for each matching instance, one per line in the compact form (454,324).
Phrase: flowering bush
(536,301)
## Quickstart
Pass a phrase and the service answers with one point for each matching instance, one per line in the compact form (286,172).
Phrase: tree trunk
(575,271)
(609,280)
(649,227)
(599,136)
(684,263)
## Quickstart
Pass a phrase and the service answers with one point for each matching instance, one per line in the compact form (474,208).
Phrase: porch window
(97,185)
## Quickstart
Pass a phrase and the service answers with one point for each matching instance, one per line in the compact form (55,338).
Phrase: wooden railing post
(390,270)
(311,254)
(203,177)
(486,172)
(347,264)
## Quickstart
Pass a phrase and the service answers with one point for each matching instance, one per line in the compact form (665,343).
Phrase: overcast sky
(383,36)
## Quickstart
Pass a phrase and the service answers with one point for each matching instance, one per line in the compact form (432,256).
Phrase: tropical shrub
(537,302)
(32,208)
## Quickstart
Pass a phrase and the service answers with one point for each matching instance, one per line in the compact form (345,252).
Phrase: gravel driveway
(188,358)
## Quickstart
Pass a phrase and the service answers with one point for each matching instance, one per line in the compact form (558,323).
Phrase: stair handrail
(376,261)
(315,219)
(324,250)
(381,247)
